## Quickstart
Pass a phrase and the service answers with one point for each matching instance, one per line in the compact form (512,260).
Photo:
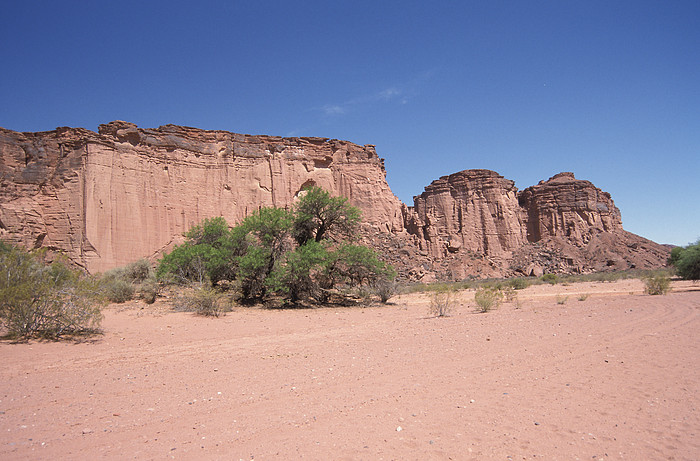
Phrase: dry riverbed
(613,376)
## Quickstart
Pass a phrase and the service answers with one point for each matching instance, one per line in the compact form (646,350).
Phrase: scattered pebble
(399,429)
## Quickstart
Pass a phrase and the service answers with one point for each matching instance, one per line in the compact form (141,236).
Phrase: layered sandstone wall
(475,222)
(569,208)
(473,210)
(111,197)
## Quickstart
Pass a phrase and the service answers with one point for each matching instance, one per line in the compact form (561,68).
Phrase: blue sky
(607,89)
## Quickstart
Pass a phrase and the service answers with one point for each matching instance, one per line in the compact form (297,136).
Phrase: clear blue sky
(607,89)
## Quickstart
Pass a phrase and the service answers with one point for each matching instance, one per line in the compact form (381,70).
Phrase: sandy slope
(613,377)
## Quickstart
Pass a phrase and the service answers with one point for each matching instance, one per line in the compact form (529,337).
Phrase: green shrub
(583,296)
(687,261)
(208,255)
(658,284)
(122,283)
(50,301)
(148,290)
(296,254)
(295,278)
(562,299)
(550,278)
(138,271)
(118,290)
(487,298)
(518,283)
(442,302)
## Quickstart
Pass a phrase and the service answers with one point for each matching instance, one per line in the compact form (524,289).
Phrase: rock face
(475,222)
(570,208)
(473,210)
(109,198)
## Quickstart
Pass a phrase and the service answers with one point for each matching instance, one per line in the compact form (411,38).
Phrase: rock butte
(109,198)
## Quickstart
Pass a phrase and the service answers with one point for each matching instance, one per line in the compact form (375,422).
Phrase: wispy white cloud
(389,93)
(333,109)
(399,93)
(383,96)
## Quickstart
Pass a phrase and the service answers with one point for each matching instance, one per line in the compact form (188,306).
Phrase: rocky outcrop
(108,198)
(471,211)
(111,197)
(569,208)
(476,223)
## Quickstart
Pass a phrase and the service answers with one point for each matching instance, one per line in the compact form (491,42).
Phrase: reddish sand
(615,376)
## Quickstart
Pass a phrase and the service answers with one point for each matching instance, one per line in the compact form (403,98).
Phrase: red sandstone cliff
(109,198)
(475,222)
(473,210)
(564,206)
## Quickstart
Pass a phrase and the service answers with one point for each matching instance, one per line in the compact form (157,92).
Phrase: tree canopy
(298,254)
(686,260)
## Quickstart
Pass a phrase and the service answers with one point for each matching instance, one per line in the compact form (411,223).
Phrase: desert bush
(121,284)
(658,284)
(138,271)
(117,290)
(518,283)
(50,301)
(442,302)
(362,293)
(508,293)
(583,296)
(207,256)
(148,290)
(385,289)
(202,300)
(562,299)
(550,278)
(487,298)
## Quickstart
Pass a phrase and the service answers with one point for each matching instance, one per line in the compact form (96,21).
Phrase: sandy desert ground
(615,376)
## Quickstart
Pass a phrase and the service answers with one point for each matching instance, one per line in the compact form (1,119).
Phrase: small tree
(297,254)
(206,254)
(687,261)
(265,238)
(318,215)
(297,277)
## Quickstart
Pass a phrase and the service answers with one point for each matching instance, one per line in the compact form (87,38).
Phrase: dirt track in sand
(615,376)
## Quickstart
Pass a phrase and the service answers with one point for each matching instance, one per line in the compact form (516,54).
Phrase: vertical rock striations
(473,210)
(569,208)
(475,222)
(111,197)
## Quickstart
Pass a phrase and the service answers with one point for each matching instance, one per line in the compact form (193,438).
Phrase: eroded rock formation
(475,222)
(473,210)
(109,198)
(566,207)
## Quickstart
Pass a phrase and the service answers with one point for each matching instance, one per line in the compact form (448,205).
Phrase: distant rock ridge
(111,197)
